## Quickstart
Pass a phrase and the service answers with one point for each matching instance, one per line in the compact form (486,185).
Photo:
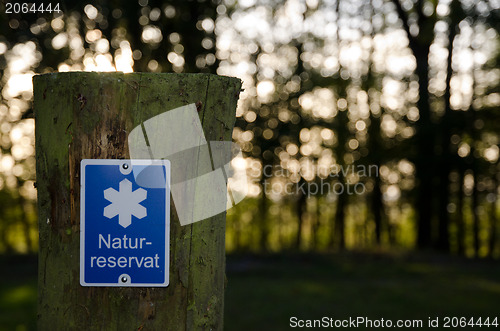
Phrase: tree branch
(404,18)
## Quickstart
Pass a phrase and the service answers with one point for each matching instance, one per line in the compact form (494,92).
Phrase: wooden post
(88,116)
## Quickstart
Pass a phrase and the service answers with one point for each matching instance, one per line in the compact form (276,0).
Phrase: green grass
(263,292)
(18,293)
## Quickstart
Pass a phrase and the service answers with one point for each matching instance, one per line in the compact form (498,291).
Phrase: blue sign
(124,223)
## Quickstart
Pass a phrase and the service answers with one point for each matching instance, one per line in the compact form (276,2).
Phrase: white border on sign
(83,164)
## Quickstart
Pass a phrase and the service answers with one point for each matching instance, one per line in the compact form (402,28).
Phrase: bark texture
(89,115)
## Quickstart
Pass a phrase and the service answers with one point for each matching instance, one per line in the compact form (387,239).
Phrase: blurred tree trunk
(5,221)
(375,145)
(301,211)
(376,150)
(473,161)
(263,208)
(236,228)
(420,44)
(316,225)
(472,158)
(88,115)
(475,210)
(460,213)
(443,241)
(339,127)
(283,239)
(376,204)
(263,226)
(338,239)
(25,222)
(425,147)
(493,217)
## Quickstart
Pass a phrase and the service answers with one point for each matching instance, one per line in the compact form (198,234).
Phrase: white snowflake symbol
(125,203)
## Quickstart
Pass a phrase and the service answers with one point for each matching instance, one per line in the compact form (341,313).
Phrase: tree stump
(88,116)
